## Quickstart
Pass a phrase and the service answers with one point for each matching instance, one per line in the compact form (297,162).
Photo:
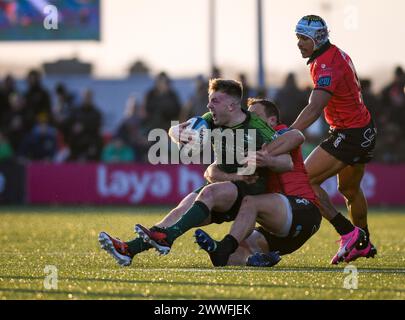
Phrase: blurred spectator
(389,148)
(84,126)
(162,104)
(139,67)
(246,89)
(41,142)
(197,104)
(393,97)
(63,108)
(369,99)
(291,100)
(6,152)
(117,151)
(215,73)
(18,121)
(7,88)
(131,132)
(37,97)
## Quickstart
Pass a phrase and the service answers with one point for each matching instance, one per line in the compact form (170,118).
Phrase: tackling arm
(317,101)
(285,143)
(213,174)
(279,164)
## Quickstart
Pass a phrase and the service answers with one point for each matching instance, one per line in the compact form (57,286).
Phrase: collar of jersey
(280,126)
(318,52)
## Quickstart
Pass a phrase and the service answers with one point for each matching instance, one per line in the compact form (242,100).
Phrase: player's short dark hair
(270,108)
(230,87)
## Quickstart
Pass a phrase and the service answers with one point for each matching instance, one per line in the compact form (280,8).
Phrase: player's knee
(207,194)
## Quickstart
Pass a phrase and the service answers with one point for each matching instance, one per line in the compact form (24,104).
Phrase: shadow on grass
(178,283)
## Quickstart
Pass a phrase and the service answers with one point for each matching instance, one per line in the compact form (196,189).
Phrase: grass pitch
(34,237)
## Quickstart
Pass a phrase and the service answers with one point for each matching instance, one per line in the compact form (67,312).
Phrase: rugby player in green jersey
(217,202)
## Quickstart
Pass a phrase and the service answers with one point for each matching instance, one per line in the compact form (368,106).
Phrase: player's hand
(183,126)
(263,158)
(187,135)
(257,159)
(177,134)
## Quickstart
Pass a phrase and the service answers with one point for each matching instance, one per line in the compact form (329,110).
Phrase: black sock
(342,225)
(367,233)
(137,245)
(228,244)
(225,248)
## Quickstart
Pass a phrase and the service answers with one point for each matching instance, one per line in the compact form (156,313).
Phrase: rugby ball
(195,135)
(197,123)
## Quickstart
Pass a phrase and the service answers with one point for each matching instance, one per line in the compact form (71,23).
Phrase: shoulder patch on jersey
(324,81)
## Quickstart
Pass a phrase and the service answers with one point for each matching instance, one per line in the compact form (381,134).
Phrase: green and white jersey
(242,142)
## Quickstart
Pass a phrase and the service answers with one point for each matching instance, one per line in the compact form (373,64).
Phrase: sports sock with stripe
(192,218)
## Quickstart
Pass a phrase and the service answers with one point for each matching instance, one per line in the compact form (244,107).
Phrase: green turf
(34,237)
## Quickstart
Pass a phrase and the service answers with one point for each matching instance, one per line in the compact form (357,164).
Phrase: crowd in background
(33,126)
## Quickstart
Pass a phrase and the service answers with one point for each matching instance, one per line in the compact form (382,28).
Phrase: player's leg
(138,245)
(274,209)
(218,196)
(177,212)
(320,166)
(255,242)
(123,252)
(349,180)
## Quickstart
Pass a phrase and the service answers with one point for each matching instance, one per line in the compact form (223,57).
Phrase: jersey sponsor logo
(302,201)
(324,81)
(337,141)
(369,136)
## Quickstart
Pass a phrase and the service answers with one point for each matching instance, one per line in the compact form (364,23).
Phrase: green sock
(137,245)
(190,219)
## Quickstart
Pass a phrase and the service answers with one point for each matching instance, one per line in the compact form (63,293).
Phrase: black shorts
(243,190)
(306,220)
(351,146)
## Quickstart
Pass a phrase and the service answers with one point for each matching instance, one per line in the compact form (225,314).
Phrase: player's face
(218,104)
(259,110)
(306,45)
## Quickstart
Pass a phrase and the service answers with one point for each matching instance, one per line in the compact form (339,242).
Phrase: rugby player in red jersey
(288,215)
(352,138)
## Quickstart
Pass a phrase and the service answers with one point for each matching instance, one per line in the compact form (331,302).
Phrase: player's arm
(285,143)
(214,174)
(279,164)
(317,101)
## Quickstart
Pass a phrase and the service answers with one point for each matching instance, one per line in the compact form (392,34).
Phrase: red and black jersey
(295,182)
(332,70)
